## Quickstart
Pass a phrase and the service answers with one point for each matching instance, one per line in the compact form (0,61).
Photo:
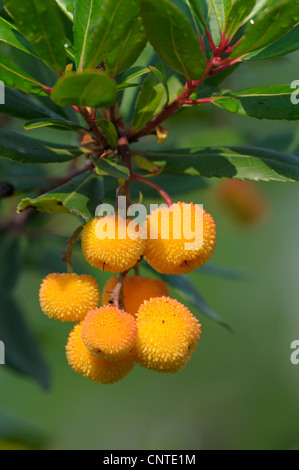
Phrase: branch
(99,136)
(157,188)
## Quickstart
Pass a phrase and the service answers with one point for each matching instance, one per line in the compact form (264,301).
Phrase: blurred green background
(240,391)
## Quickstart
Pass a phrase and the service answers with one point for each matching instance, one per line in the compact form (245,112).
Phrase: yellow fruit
(68,296)
(94,368)
(167,335)
(136,290)
(109,333)
(171,255)
(110,244)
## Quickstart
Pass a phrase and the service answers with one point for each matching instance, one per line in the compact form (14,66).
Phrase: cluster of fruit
(138,322)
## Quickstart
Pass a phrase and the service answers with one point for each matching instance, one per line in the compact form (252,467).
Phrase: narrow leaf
(89,88)
(59,124)
(80,196)
(27,150)
(40,23)
(112,167)
(272,102)
(148,100)
(9,34)
(250,163)
(287,44)
(13,76)
(22,106)
(221,9)
(23,178)
(269,27)
(237,14)
(87,14)
(173,38)
(125,54)
(67,7)
(110,132)
(260,5)
(115,22)
(22,352)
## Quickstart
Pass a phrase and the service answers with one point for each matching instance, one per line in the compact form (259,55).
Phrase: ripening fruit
(68,296)
(109,333)
(136,290)
(180,238)
(112,244)
(92,367)
(242,199)
(167,335)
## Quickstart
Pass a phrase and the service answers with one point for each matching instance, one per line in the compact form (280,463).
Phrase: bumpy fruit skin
(68,296)
(242,199)
(136,289)
(109,333)
(167,335)
(111,253)
(170,256)
(94,368)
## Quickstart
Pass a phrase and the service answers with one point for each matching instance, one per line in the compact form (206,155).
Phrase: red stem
(157,188)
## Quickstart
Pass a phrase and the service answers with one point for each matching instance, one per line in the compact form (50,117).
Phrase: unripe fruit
(104,247)
(167,335)
(136,290)
(94,368)
(242,199)
(68,296)
(109,333)
(179,253)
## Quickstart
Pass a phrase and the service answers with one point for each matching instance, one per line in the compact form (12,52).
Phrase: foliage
(107,74)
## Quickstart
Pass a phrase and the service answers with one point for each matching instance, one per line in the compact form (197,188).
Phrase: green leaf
(273,102)
(148,101)
(22,106)
(89,88)
(87,14)
(110,132)
(173,38)
(80,196)
(260,5)
(59,124)
(221,9)
(224,272)
(67,7)
(270,26)
(39,21)
(9,34)
(112,167)
(27,150)
(13,76)
(287,44)
(237,14)
(22,352)
(113,25)
(198,8)
(133,73)
(163,79)
(244,163)
(188,292)
(125,54)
